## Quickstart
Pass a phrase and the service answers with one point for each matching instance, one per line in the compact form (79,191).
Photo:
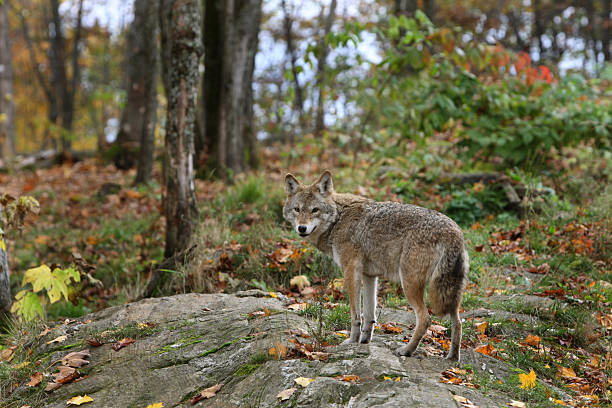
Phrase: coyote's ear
(292,185)
(325,183)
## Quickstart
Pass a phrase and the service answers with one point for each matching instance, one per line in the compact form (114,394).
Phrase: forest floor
(538,299)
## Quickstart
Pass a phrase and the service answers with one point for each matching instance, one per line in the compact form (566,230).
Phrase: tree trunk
(321,67)
(5,283)
(7,107)
(181,206)
(606,32)
(136,137)
(232,27)
(299,99)
(64,90)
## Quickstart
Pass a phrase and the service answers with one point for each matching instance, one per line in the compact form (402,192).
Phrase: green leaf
(27,305)
(40,278)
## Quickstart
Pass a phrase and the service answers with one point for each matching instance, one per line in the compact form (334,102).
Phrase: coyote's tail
(447,282)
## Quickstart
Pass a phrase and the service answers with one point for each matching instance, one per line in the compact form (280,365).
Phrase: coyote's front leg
(369,308)
(352,281)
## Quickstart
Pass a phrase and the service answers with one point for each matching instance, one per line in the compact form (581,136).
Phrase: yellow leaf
(2,245)
(397,379)
(78,400)
(387,378)
(273,294)
(156,405)
(482,327)
(528,381)
(303,381)
(21,365)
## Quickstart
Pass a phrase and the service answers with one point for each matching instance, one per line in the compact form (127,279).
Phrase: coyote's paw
(453,356)
(404,351)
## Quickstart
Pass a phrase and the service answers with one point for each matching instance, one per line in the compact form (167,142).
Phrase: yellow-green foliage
(56,284)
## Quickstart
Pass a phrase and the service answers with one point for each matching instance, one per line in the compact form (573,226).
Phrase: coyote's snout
(370,239)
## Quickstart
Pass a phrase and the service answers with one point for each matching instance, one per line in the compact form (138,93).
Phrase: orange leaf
(122,343)
(567,373)
(482,327)
(278,351)
(532,340)
(486,349)
(348,378)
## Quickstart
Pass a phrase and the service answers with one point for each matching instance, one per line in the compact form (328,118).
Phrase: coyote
(370,239)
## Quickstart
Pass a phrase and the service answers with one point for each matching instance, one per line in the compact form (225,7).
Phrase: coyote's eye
(297,210)
(315,210)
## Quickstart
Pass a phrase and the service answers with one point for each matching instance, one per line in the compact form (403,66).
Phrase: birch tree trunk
(180,205)
(231,31)
(7,107)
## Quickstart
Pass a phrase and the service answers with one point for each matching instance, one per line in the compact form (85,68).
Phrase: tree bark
(606,32)
(321,67)
(136,137)
(181,206)
(232,27)
(7,107)
(5,284)
(299,99)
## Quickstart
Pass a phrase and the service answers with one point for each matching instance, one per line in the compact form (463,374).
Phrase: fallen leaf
(52,386)
(35,379)
(517,404)
(42,333)
(297,332)
(299,282)
(6,354)
(123,343)
(206,393)
(286,394)
(528,381)
(485,349)
(59,339)
(94,342)
(298,306)
(532,340)
(567,373)
(348,378)
(303,381)
(156,405)
(278,351)
(78,400)
(76,359)
(390,328)
(482,327)
(273,294)
(65,374)
(21,365)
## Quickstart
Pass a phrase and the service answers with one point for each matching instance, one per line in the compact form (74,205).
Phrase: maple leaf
(528,381)
(286,394)
(298,306)
(35,379)
(123,343)
(78,400)
(391,328)
(303,381)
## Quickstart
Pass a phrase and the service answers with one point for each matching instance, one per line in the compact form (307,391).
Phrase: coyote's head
(310,209)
